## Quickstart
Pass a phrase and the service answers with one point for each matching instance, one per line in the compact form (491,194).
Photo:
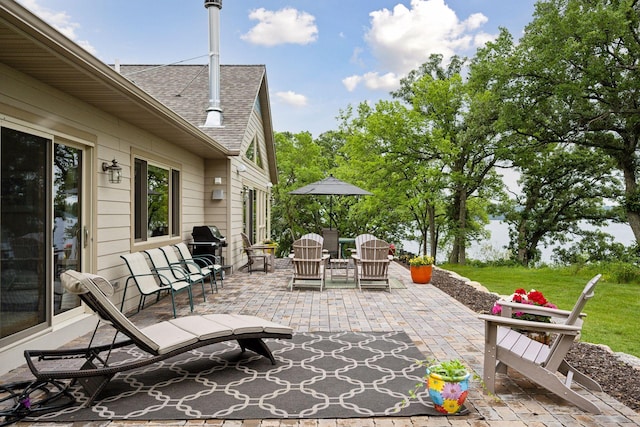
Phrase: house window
(157,200)
(253,152)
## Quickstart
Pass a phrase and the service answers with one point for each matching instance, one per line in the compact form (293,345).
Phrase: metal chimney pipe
(214,112)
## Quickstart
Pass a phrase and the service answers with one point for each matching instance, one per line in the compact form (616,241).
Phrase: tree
(561,186)
(300,162)
(574,78)
(460,115)
(389,150)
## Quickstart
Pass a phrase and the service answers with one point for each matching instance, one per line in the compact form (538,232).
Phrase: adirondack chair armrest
(310,260)
(534,309)
(528,325)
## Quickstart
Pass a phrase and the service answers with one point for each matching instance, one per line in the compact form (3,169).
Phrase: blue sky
(321,55)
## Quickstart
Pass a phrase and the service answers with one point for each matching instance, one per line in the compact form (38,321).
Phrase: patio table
(270,250)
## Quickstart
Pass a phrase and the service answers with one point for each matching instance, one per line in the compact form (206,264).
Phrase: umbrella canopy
(330,186)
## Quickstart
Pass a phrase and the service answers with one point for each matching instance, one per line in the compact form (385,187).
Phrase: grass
(611,314)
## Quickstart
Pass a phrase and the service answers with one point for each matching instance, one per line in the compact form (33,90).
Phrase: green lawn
(612,314)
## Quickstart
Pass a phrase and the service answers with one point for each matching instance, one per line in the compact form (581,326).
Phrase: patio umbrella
(330,186)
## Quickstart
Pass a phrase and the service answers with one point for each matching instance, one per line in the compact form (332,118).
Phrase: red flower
(537,298)
(521,291)
(517,298)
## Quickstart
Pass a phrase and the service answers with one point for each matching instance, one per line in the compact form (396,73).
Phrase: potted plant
(532,297)
(447,383)
(421,268)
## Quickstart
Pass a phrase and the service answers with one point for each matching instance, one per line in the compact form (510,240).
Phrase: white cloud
(401,39)
(352,82)
(292,98)
(61,21)
(287,25)
(373,81)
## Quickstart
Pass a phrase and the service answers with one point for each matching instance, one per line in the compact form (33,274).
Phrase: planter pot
(421,273)
(447,393)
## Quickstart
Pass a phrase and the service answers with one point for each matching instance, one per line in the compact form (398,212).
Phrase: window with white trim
(157,200)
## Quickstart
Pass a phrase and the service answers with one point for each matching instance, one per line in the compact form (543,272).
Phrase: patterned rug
(317,375)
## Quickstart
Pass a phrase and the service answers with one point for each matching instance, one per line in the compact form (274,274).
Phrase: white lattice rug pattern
(317,375)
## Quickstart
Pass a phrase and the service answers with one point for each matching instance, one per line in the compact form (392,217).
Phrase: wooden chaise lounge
(160,341)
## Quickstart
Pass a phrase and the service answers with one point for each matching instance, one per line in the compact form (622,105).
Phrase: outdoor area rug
(317,375)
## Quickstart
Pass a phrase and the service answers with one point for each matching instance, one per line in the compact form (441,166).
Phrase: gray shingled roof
(185,90)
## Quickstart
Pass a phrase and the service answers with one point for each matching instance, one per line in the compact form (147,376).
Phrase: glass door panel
(67,224)
(24,241)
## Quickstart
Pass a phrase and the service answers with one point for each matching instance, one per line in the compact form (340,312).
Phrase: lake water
(499,240)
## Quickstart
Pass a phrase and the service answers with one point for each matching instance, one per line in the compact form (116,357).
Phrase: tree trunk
(433,240)
(459,216)
(632,205)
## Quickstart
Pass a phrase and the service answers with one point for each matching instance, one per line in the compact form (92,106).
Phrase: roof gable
(185,89)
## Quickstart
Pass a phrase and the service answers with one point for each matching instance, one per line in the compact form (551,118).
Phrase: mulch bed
(616,377)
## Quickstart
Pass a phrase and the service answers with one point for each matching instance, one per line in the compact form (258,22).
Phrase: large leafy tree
(300,161)
(461,116)
(388,150)
(574,78)
(562,186)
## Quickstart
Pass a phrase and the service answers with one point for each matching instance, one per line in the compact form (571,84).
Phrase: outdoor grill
(207,240)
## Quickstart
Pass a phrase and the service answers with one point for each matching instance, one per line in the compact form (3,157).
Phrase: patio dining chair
(506,347)
(253,254)
(191,268)
(208,264)
(175,273)
(330,243)
(151,282)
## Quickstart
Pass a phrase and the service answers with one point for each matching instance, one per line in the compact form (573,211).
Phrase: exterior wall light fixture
(114,171)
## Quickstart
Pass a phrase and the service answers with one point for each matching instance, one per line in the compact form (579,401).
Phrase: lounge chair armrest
(528,325)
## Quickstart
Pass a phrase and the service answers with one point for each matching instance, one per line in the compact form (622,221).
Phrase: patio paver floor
(440,327)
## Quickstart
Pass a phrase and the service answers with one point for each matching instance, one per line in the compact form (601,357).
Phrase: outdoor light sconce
(241,168)
(114,170)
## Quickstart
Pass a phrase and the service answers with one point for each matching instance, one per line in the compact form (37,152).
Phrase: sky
(321,56)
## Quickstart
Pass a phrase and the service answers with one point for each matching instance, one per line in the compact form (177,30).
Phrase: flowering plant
(447,383)
(532,297)
(421,260)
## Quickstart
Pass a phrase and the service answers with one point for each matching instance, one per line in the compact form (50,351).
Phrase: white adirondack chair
(309,263)
(506,347)
(372,266)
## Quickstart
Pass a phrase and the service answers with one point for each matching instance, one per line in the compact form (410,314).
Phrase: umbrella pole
(330,211)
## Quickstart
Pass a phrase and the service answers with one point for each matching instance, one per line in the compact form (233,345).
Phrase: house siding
(29,103)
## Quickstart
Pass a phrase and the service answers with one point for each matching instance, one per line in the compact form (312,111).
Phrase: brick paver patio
(440,327)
